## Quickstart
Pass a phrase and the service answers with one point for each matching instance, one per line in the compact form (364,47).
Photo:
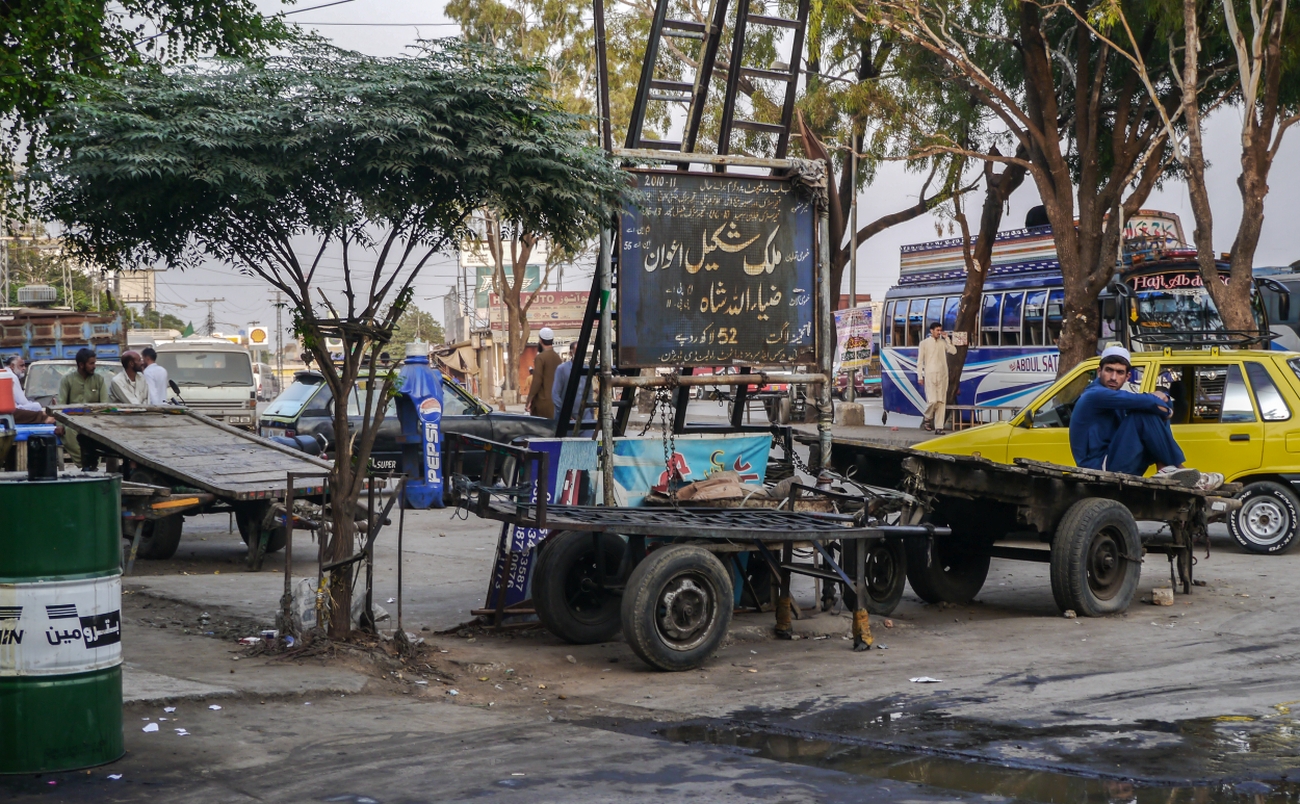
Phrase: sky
(389,27)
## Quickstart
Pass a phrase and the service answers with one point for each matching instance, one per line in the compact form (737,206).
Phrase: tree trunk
(998,188)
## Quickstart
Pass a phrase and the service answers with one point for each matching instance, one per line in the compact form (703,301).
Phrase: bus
(1156,300)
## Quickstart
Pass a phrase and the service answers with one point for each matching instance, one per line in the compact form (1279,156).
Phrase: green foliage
(229,160)
(46,41)
(414,325)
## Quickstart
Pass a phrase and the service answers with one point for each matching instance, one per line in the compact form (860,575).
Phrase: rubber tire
(641,602)
(554,588)
(947,575)
(1259,493)
(1071,545)
(888,558)
(244,519)
(160,537)
(538,573)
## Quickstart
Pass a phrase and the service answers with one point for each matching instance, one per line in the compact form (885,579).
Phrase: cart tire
(158,538)
(565,595)
(1268,520)
(677,607)
(1091,568)
(246,519)
(886,574)
(539,573)
(941,572)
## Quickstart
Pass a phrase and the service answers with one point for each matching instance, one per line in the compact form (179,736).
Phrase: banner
(853,338)
(639,465)
(557,309)
(571,475)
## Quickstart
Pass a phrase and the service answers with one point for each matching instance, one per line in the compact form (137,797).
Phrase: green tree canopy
(383,159)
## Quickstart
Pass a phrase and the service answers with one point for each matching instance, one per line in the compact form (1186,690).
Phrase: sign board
(716,270)
(551,308)
(484,289)
(475,253)
(853,338)
(259,336)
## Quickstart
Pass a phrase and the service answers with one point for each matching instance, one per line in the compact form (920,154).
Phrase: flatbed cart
(1086,518)
(668,586)
(189,455)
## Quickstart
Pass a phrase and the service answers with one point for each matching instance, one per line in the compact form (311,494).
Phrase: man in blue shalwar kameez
(1119,431)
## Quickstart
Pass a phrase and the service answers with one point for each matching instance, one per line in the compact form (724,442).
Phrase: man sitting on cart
(1120,431)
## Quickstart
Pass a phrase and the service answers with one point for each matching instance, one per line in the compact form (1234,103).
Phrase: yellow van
(1235,412)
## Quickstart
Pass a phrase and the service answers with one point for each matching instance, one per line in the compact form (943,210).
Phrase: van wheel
(1268,519)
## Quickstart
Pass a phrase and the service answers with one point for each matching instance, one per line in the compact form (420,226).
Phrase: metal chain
(653,410)
(662,400)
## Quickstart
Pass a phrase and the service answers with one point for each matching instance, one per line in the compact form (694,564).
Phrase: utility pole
(279,338)
(851,394)
(4,272)
(211,323)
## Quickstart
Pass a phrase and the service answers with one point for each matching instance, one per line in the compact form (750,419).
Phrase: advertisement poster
(853,338)
(639,465)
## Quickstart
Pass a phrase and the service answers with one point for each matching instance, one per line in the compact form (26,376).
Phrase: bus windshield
(1175,303)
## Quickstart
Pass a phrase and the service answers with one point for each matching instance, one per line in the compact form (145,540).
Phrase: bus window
(933,315)
(989,319)
(1055,315)
(950,313)
(1035,307)
(1011,318)
(898,313)
(914,322)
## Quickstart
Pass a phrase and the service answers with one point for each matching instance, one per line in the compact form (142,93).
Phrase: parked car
(1235,412)
(864,386)
(307,408)
(267,382)
(44,376)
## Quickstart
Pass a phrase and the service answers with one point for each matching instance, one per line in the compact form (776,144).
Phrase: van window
(208,369)
(1208,394)
(1055,412)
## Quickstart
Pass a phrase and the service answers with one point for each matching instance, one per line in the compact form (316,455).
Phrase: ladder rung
(661,145)
(769,75)
(659,96)
(753,125)
(684,35)
(685,25)
(778,22)
(672,86)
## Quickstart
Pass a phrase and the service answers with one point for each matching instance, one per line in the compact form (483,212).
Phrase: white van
(215,378)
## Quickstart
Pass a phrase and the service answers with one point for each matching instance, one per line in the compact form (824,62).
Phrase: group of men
(550,376)
(141,382)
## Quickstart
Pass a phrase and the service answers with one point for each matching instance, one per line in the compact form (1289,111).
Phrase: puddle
(1036,768)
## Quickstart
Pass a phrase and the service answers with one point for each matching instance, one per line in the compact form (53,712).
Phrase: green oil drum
(60,624)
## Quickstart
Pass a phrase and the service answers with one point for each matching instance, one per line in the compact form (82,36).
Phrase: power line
(211,324)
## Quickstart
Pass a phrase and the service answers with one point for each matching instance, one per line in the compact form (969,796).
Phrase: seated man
(25,410)
(1119,431)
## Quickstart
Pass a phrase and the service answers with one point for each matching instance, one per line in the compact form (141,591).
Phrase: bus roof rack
(1199,338)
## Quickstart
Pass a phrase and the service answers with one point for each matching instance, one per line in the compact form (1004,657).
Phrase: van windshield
(207,369)
(294,398)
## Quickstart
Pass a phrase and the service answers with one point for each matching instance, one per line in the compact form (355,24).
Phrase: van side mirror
(1027,420)
(175,388)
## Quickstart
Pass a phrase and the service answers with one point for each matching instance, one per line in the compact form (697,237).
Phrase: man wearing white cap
(1119,431)
(547,361)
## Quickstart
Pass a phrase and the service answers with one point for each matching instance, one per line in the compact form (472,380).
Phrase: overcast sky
(388,27)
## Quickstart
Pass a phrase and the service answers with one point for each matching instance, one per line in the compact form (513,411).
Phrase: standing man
(129,387)
(562,382)
(155,377)
(82,387)
(932,373)
(539,393)
(25,410)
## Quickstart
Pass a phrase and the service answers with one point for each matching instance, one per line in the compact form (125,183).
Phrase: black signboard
(716,270)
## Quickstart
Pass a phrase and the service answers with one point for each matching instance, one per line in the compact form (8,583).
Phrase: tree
(47,41)
(384,159)
(414,326)
(1094,142)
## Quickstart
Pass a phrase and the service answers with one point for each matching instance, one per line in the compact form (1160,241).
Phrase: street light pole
(853,254)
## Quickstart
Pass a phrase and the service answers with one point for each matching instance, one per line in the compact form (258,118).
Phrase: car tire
(677,607)
(1268,520)
(564,593)
(1096,558)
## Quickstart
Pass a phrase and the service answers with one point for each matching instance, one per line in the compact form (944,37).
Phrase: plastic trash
(214,707)
(925,680)
(149,729)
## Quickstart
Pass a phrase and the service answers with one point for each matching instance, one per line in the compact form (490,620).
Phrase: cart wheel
(248,520)
(1268,519)
(1096,560)
(940,571)
(159,538)
(886,574)
(539,571)
(677,607)
(565,594)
